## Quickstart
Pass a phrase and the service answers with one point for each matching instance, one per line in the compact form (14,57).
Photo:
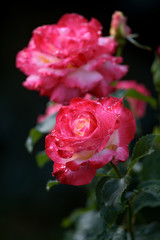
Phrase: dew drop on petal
(110,131)
(59,144)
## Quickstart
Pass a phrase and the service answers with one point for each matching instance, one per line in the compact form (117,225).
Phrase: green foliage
(39,130)
(33,137)
(144,146)
(119,199)
(135,94)
(47,125)
(131,39)
(109,197)
(148,231)
(41,159)
(155,69)
(148,195)
(51,183)
(151,166)
(120,93)
(90,226)
(120,194)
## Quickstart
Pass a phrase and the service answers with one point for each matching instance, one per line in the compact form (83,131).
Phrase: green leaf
(51,183)
(39,130)
(155,65)
(47,125)
(148,195)
(156,129)
(33,137)
(120,93)
(151,186)
(90,226)
(99,188)
(148,232)
(144,146)
(109,193)
(106,171)
(119,234)
(134,42)
(42,159)
(151,166)
(135,94)
(156,80)
(126,103)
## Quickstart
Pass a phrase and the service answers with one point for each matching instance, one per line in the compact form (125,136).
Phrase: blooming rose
(70,59)
(138,107)
(119,25)
(89,134)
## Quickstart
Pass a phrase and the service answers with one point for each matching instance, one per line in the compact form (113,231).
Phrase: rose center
(80,126)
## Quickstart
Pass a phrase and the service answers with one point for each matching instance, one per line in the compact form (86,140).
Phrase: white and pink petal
(83,175)
(82,79)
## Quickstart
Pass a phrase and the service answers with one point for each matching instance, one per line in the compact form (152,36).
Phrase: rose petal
(83,175)
(33,82)
(62,94)
(101,158)
(85,80)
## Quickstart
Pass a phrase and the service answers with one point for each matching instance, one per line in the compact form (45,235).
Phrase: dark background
(27,210)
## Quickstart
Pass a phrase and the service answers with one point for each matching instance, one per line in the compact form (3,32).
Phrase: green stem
(119,52)
(116,169)
(158,107)
(130,221)
(121,44)
(101,175)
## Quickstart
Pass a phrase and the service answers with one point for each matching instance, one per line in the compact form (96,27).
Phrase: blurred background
(27,210)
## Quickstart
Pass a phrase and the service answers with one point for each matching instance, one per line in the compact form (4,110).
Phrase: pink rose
(138,107)
(119,25)
(89,134)
(158,50)
(70,59)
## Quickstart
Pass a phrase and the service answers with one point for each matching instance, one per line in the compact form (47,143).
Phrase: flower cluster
(90,122)
(75,66)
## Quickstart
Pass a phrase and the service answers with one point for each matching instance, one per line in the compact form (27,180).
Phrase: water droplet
(64,154)
(59,143)
(110,131)
(51,147)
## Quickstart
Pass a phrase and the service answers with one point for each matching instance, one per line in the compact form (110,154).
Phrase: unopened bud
(155,68)
(119,26)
